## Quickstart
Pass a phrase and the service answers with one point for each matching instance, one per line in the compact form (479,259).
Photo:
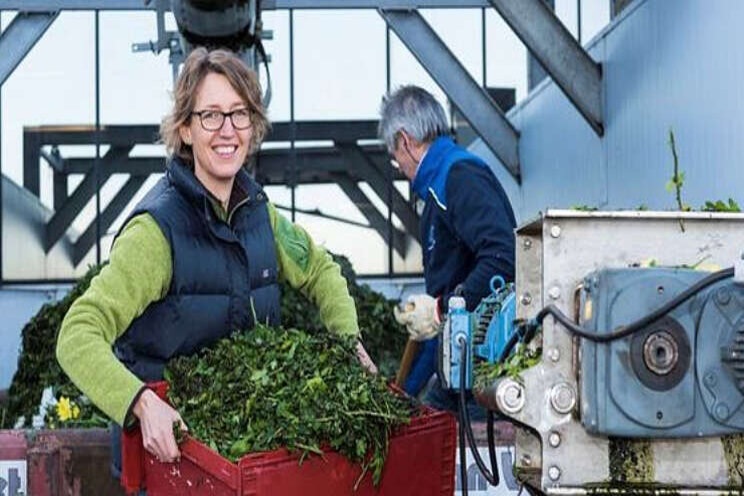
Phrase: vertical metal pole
(483,44)
(292,125)
(389,170)
(97,164)
(578,21)
(1,166)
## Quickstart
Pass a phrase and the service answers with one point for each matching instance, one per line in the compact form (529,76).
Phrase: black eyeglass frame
(224,115)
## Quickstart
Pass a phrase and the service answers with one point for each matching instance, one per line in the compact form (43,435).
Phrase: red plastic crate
(421,461)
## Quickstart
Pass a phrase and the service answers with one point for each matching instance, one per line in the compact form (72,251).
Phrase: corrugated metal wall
(666,64)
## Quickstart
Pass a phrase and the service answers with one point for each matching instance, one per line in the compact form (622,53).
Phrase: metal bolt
(510,396)
(527,243)
(722,411)
(562,397)
(526,299)
(554,439)
(710,379)
(526,460)
(554,473)
(554,354)
(660,352)
(554,292)
(555,231)
(723,296)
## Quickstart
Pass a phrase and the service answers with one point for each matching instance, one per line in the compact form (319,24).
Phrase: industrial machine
(640,386)
(488,333)
(232,24)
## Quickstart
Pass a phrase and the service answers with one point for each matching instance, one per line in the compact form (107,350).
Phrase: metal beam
(123,135)
(62,218)
(47,5)
(127,134)
(483,114)
(371,4)
(376,220)
(135,166)
(572,69)
(369,171)
(31,157)
(20,37)
(324,130)
(271,163)
(112,211)
(59,189)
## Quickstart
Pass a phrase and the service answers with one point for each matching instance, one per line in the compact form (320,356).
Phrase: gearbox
(680,376)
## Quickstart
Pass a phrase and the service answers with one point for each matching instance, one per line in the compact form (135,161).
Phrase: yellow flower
(67,409)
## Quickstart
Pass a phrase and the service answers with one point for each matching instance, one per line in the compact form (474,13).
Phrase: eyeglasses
(212,120)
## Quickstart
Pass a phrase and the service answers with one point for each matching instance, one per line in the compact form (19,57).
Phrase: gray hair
(414,110)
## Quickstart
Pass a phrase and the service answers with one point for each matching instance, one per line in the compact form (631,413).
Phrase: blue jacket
(467,234)
(222,273)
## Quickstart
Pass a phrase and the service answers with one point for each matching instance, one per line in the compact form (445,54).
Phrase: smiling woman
(202,255)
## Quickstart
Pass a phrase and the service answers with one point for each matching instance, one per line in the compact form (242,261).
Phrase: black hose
(641,323)
(492,478)
(463,455)
(491,443)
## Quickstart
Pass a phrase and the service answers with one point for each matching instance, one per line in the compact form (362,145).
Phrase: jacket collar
(431,176)
(184,179)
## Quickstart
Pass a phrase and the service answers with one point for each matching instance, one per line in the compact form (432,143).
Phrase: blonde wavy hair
(196,67)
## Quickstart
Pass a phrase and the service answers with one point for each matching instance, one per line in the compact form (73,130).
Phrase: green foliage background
(382,336)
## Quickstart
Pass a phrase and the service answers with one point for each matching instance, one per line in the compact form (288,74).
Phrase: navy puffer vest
(222,273)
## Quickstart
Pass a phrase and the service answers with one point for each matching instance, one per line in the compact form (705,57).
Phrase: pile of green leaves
(383,338)
(38,367)
(523,358)
(271,388)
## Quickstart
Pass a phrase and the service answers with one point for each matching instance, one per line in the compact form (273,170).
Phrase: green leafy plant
(677,181)
(721,206)
(584,208)
(382,336)
(521,359)
(37,364)
(271,388)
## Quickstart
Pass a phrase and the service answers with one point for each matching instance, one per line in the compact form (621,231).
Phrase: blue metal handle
(500,281)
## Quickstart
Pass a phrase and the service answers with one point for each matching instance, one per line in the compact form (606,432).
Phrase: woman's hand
(364,358)
(156,419)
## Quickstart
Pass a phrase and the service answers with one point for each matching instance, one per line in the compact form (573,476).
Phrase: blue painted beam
(484,115)
(20,37)
(572,69)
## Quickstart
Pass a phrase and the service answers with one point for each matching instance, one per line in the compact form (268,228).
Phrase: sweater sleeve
(309,268)
(482,218)
(138,273)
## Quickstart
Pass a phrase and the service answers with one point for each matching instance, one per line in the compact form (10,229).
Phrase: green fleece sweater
(139,273)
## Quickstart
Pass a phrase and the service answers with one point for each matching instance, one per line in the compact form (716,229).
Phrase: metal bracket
(573,70)
(167,40)
(484,115)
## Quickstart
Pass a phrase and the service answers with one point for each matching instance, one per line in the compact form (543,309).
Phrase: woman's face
(219,154)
